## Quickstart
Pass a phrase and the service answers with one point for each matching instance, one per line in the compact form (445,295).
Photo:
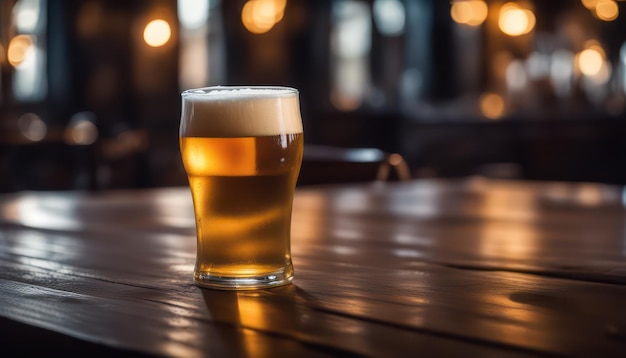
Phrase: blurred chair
(332,165)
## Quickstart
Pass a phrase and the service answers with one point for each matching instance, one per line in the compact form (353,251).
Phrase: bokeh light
(28,16)
(157,33)
(461,12)
(32,127)
(589,4)
(606,10)
(19,48)
(492,105)
(590,61)
(515,21)
(27,19)
(260,16)
(81,129)
(82,133)
(389,16)
(193,14)
(469,12)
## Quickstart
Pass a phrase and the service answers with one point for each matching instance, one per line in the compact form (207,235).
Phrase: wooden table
(472,268)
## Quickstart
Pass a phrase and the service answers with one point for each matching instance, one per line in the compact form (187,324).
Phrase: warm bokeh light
(82,132)
(32,127)
(492,105)
(515,21)
(603,76)
(345,102)
(469,12)
(260,16)
(595,45)
(532,20)
(589,4)
(81,129)
(256,18)
(606,10)
(157,33)
(19,48)
(590,61)
(461,12)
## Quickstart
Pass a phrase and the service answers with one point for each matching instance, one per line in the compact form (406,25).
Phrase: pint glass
(242,149)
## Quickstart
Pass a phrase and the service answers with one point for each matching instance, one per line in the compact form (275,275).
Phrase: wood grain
(438,268)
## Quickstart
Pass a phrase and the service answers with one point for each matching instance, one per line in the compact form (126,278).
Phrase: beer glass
(242,149)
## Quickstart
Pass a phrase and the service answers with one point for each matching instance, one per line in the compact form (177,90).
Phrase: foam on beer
(240,112)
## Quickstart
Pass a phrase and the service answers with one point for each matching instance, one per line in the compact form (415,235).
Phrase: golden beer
(242,150)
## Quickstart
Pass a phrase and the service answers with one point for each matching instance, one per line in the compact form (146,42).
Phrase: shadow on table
(269,322)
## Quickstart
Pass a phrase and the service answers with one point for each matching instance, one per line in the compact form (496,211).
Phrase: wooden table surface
(471,267)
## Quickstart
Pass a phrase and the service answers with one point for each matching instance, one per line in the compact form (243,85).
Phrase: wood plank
(399,296)
(455,268)
(176,322)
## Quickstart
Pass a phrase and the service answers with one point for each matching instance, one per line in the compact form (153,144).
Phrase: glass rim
(230,91)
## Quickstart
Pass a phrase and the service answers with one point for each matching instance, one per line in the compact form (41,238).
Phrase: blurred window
(350,44)
(389,16)
(26,51)
(201,43)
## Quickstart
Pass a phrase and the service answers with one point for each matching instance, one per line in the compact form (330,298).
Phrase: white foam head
(240,112)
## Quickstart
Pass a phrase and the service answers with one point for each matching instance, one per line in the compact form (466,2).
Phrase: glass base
(274,279)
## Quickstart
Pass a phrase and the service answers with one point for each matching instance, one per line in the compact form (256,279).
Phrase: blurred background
(536,90)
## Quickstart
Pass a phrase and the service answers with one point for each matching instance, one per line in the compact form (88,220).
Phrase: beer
(242,150)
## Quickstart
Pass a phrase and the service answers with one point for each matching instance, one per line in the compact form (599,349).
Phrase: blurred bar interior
(510,89)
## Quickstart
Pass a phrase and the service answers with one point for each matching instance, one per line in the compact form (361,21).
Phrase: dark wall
(582,149)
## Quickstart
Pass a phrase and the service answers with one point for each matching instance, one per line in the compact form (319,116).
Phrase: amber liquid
(242,191)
